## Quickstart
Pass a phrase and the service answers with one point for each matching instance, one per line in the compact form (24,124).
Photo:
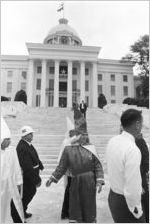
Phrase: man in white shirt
(123,163)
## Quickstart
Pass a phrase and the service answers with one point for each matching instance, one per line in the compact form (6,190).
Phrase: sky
(112,25)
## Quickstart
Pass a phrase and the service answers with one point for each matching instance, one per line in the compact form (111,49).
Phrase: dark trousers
(65,207)
(14,213)
(84,113)
(119,209)
(145,205)
(28,193)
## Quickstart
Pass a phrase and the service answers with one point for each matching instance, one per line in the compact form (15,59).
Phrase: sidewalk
(47,203)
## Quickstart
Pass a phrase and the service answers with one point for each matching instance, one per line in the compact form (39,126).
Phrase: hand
(99,187)
(48,182)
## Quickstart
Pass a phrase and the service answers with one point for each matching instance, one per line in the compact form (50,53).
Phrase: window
(74,85)
(38,84)
(9,87)
(100,77)
(113,101)
(125,78)
(64,40)
(100,89)
(10,74)
(24,74)
(86,85)
(74,71)
(125,90)
(51,84)
(39,69)
(112,77)
(51,70)
(87,100)
(113,91)
(23,85)
(38,99)
(86,71)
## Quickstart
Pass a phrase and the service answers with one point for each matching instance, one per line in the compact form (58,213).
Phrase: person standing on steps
(30,165)
(82,160)
(83,108)
(70,138)
(123,159)
(11,179)
(141,144)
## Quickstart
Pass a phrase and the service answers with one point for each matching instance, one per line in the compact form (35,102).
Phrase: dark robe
(140,142)
(85,169)
(65,207)
(30,165)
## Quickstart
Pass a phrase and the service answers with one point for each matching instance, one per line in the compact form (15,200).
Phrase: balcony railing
(62,93)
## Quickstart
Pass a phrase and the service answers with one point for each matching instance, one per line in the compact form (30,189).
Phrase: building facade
(61,71)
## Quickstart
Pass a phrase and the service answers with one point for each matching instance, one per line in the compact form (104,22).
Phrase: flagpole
(63,9)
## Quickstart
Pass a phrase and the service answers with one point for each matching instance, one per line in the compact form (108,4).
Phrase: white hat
(25,130)
(5,132)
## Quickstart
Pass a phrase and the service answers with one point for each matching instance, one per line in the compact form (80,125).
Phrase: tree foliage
(139,54)
(21,96)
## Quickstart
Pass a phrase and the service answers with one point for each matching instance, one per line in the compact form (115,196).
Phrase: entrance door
(62,94)
(62,101)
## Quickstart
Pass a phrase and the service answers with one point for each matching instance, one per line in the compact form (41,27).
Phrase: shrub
(138,102)
(102,100)
(4,98)
(21,96)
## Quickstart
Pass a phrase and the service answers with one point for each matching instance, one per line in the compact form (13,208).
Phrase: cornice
(56,47)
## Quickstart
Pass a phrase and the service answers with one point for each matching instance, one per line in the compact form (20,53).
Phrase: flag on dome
(61,7)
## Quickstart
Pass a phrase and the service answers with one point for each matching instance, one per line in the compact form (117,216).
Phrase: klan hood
(80,122)
(5,131)
(70,126)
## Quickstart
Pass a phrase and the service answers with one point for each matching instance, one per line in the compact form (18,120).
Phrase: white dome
(62,30)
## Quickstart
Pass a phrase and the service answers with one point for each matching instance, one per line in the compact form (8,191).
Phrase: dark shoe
(27,215)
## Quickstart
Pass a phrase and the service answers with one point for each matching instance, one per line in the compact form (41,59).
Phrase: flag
(61,7)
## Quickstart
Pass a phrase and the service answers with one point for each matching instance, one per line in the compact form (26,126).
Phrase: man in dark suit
(140,142)
(30,165)
(83,108)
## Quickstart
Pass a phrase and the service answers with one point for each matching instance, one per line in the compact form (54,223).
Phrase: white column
(30,83)
(43,83)
(82,81)
(69,85)
(131,84)
(56,84)
(94,85)
(119,88)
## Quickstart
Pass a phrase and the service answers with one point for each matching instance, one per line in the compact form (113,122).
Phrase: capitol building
(62,70)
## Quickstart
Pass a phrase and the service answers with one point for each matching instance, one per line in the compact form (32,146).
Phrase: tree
(101,100)
(140,56)
(21,96)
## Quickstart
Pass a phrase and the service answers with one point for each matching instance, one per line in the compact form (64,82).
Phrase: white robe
(10,177)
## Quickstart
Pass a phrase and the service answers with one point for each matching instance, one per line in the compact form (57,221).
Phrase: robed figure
(11,177)
(83,162)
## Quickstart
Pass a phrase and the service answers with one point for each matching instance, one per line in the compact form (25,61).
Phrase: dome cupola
(63,34)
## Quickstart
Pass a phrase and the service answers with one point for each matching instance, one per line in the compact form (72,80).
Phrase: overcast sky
(112,25)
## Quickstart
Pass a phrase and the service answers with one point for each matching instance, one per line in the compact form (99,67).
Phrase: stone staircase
(50,126)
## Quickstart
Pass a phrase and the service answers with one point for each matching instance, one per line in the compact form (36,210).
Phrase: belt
(83,173)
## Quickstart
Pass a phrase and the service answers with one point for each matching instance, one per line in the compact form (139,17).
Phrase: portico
(64,85)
